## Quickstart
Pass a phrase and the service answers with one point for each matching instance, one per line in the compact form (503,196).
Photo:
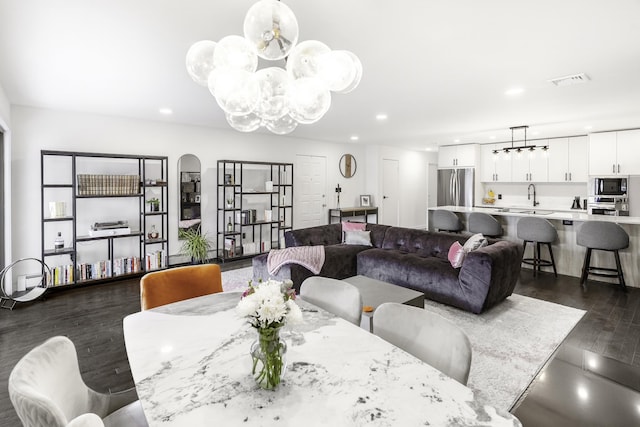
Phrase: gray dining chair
(602,236)
(488,225)
(426,335)
(335,296)
(46,389)
(444,220)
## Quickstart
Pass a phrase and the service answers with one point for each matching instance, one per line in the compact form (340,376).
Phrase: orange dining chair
(180,283)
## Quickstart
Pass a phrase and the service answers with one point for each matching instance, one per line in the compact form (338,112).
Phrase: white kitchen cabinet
(496,167)
(458,156)
(568,159)
(614,153)
(530,166)
(627,152)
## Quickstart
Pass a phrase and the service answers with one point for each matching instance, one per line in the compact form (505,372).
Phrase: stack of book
(108,185)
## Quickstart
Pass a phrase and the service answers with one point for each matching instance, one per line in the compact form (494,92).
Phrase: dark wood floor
(92,318)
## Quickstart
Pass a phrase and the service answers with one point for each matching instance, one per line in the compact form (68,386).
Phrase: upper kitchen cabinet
(568,159)
(614,153)
(495,167)
(530,166)
(458,156)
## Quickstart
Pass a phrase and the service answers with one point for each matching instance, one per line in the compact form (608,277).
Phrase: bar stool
(480,222)
(537,231)
(602,236)
(444,220)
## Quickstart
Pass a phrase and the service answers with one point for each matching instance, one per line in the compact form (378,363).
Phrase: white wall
(412,178)
(38,129)
(5,127)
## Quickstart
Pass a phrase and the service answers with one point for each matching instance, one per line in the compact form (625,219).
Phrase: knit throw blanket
(311,257)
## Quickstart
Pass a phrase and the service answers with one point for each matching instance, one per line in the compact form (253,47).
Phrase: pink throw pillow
(456,255)
(353,226)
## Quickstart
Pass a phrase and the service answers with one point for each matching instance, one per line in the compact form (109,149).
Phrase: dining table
(191,365)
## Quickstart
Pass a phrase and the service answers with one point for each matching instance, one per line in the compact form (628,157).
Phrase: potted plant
(195,245)
(154,204)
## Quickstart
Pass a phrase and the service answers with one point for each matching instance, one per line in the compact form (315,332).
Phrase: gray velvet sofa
(416,259)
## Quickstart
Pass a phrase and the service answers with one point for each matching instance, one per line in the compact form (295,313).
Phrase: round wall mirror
(348,165)
(189,202)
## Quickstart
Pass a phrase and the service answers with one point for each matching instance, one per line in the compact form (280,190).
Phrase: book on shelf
(61,275)
(155,260)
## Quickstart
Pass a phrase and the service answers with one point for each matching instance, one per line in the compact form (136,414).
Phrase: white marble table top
(191,365)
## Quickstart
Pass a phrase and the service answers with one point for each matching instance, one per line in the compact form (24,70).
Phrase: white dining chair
(46,389)
(426,335)
(335,296)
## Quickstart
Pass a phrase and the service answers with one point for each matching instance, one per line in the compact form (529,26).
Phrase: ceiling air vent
(570,80)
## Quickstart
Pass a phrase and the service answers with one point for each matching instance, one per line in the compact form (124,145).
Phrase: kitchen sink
(532,211)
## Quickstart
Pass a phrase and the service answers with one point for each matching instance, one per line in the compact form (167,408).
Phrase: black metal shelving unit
(151,253)
(239,234)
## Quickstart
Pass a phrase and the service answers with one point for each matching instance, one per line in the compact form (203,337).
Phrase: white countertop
(577,215)
(191,365)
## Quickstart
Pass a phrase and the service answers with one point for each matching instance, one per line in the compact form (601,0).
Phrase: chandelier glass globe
(246,123)
(237,53)
(282,126)
(275,98)
(272,28)
(200,61)
(304,60)
(309,100)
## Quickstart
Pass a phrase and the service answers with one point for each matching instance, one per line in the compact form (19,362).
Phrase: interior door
(390,199)
(311,198)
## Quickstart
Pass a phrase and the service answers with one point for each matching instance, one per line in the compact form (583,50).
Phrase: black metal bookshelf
(243,231)
(150,181)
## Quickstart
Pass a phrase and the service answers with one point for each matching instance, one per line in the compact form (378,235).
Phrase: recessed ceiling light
(514,91)
(535,133)
(381,116)
(583,393)
(456,140)
(354,137)
(588,127)
(166,111)
(492,137)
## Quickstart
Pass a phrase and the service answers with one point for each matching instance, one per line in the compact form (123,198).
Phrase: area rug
(511,343)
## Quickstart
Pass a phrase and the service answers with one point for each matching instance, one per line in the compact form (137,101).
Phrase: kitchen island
(568,255)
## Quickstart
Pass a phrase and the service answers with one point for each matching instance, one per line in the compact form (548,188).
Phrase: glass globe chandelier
(275,98)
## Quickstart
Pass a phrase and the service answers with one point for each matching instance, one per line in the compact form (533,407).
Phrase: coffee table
(375,292)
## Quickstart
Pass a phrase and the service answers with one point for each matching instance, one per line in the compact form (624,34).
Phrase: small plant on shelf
(195,245)
(154,204)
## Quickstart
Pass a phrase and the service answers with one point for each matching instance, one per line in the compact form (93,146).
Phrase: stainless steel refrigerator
(455,187)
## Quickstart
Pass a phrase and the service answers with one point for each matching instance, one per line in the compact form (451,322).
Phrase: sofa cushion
(431,275)
(421,242)
(321,235)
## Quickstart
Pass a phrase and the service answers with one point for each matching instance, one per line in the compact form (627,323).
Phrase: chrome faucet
(534,194)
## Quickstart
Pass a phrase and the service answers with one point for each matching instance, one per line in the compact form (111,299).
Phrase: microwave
(608,186)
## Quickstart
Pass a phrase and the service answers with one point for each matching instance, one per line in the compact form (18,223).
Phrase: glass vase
(268,353)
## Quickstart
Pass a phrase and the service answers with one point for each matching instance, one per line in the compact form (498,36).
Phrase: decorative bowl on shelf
(488,201)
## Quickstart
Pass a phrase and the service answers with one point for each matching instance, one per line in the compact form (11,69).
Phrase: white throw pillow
(357,238)
(475,242)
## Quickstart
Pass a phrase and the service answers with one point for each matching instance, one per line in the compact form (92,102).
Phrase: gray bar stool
(480,222)
(444,220)
(537,231)
(602,236)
